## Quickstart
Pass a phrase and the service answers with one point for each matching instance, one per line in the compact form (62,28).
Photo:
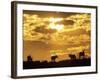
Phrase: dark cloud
(86,21)
(31,24)
(34,33)
(89,32)
(76,32)
(44,38)
(50,13)
(46,22)
(66,22)
(47,37)
(44,30)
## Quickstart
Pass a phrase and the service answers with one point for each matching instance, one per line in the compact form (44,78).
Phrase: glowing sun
(53,24)
(58,27)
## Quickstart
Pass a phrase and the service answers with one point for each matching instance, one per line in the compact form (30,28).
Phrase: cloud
(75,50)
(66,22)
(75,32)
(32,36)
(76,28)
(44,30)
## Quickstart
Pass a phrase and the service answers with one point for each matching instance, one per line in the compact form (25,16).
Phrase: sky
(46,34)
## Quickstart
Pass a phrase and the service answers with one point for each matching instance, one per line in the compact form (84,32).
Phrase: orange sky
(61,33)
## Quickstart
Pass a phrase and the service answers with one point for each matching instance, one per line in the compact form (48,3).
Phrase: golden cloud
(73,35)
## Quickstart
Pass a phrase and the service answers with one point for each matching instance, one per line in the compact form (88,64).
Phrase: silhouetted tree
(53,58)
(82,55)
(72,56)
(29,58)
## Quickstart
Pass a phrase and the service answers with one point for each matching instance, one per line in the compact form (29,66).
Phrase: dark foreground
(64,63)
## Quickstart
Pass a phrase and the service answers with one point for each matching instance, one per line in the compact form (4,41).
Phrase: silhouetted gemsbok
(29,58)
(53,58)
(82,55)
(72,56)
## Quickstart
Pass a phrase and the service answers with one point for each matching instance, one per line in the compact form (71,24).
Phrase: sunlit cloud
(57,27)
